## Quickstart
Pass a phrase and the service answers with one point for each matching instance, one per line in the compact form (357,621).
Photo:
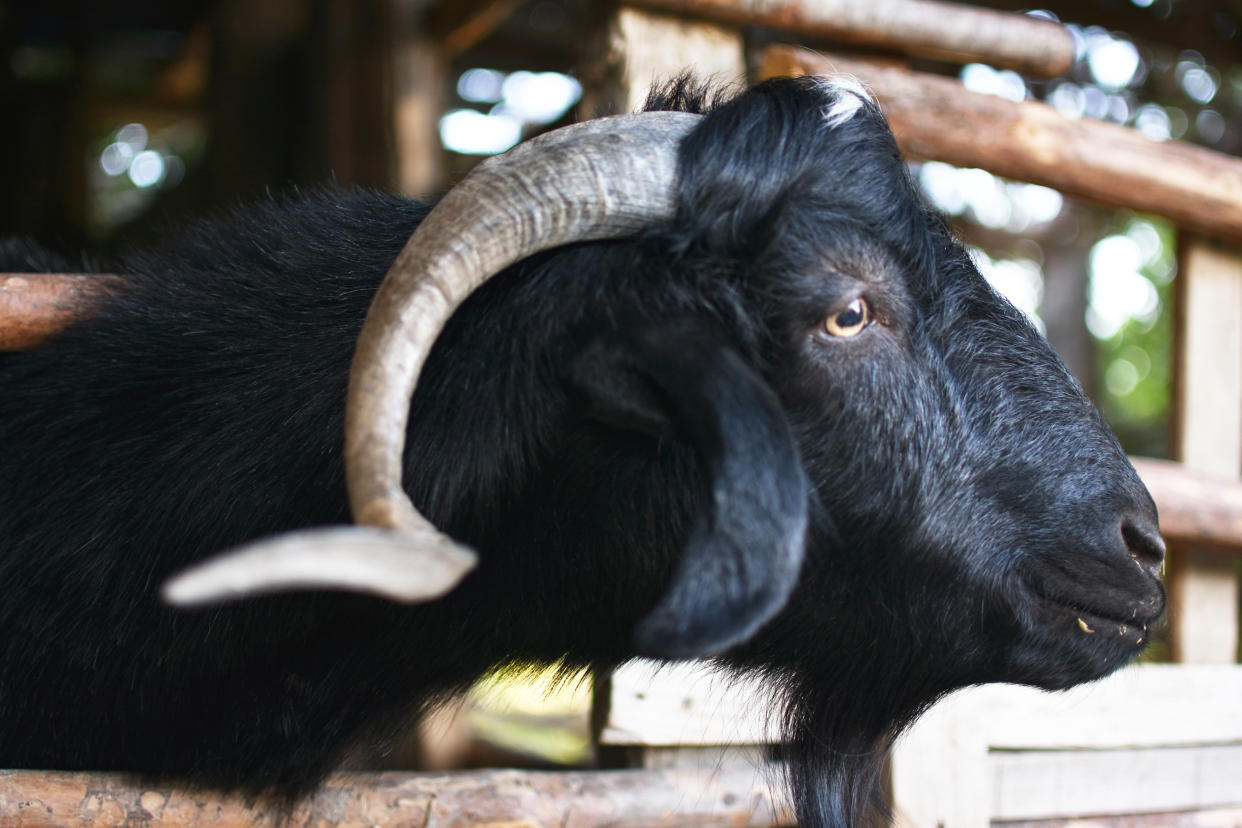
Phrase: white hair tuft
(849,94)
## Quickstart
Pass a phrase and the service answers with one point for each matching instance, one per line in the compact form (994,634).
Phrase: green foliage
(1136,362)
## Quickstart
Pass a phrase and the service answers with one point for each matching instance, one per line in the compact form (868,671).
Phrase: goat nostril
(1143,540)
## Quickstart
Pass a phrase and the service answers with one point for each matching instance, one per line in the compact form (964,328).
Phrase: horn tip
(399,566)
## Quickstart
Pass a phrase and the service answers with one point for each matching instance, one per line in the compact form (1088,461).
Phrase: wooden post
(1203,585)
(420,69)
(640,48)
(349,92)
(255,124)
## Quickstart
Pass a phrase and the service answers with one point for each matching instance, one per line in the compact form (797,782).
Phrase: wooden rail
(1197,508)
(456,26)
(934,117)
(927,28)
(33,306)
(735,795)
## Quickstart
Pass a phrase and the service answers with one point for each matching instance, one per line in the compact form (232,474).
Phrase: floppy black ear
(743,558)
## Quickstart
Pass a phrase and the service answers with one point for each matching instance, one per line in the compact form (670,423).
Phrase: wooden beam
(33,306)
(945,31)
(651,704)
(735,795)
(456,25)
(1195,507)
(934,117)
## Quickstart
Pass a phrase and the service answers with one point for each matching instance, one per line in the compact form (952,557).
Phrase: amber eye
(850,321)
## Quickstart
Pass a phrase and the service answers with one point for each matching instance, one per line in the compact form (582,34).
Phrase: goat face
(971,518)
(949,451)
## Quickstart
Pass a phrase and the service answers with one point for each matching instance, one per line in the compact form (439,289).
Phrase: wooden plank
(945,31)
(1151,705)
(1204,590)
(934,117)
(943,767)
(640,48)
(703,758)
(1043,784)
(964,762)
(1203,606)
(688,703)
(731,796)
(33,306)
(938,770)
(1204,818)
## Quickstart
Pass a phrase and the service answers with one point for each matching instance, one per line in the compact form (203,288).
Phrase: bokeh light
(520,99)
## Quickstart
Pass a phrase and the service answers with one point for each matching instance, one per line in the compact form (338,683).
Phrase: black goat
(789,426)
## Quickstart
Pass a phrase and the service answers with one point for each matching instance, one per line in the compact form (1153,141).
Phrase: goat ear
(743,558)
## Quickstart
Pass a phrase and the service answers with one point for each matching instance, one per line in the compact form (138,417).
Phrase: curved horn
(595,180)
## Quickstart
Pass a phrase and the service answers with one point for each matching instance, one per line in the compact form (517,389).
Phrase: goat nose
(1143,540)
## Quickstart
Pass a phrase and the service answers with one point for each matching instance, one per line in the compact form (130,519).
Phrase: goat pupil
(849,321)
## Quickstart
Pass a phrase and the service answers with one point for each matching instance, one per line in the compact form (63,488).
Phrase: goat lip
(1070,622)
(1129,621)
(1133,631)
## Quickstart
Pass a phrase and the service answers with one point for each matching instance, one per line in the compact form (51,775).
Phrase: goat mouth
(1133,630)
(1127,624)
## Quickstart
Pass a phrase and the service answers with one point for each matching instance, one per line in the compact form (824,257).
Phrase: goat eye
(851,321)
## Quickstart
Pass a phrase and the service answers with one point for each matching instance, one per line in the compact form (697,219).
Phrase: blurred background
(119,119)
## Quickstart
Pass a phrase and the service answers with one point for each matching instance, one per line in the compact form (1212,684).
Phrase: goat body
(801,360)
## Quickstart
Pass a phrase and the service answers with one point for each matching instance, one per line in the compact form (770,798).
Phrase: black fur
(938,494)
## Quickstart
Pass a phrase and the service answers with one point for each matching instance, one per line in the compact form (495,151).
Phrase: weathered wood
(1038,784)
(638,48)
(1148,738)
(946,31)
(1203,589)
(349,92)
(1195,507)
(456,25)
(418,101)
(688,703)
(936,118)
(1200,818)
(729,796)
(33,306)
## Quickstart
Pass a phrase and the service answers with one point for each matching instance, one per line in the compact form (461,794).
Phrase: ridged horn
(600,179)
